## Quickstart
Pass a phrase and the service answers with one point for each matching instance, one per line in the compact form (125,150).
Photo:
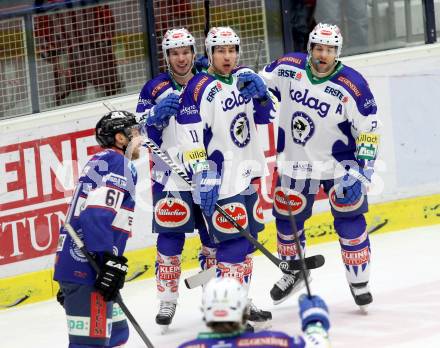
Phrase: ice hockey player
(101,213)
(174,210)
(224,311)
(220,148)
(327,136)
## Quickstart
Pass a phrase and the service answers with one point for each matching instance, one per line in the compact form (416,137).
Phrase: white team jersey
(320,119)
(215,117)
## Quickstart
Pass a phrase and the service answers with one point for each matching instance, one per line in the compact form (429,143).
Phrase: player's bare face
(323,58)
(132,143)
(224,59)
(181,60)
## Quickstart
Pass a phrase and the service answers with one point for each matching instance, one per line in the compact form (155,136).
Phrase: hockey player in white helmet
(327,137)
(174,211)
(220,148)
(225,312)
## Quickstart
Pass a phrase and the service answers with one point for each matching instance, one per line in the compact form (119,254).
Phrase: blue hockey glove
(161,113)
(201,63)
(312,310)
(251,85)
(350,189)
(206,190)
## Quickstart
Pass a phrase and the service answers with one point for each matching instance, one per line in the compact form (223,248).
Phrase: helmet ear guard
(112,123)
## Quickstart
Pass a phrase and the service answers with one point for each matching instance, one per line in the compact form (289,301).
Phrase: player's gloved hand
(201,63)
(350,188)
(111,278)
(161,113)
(251,85)
(312,310)
(206,190)
(60,297)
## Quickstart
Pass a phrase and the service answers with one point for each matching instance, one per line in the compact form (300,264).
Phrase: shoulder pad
(298,60)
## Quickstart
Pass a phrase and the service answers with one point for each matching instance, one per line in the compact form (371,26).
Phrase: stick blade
(311,262)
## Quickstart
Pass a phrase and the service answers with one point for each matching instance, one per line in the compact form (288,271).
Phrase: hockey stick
(314,261)
(207,18)
(203,277)
(298,246)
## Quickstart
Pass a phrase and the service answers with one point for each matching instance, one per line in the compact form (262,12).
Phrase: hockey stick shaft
(299,250)
(283,265)
(207,18)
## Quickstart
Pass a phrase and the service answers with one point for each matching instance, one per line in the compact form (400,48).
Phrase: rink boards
(382,218)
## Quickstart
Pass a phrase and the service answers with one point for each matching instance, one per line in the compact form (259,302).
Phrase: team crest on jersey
(171,212)
(303,127)
(237,211)
(74,250)
(239,130)
(295,199)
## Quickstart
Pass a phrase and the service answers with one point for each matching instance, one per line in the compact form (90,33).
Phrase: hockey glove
(201,63)
(206,190)
(161,113)
(111,278)
(350,188)
(313,310)
(60,297)
(251,85)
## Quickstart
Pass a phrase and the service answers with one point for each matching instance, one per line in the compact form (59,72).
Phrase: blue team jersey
(152,93)
(101,212)
(262,339)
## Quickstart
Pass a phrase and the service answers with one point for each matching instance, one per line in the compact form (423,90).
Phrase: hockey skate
(257,319)
(287,286)
(165,315)
(362,295)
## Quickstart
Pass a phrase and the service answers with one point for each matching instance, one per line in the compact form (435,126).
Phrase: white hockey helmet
(224,300)
(325,34)
(219,36)
(175,38)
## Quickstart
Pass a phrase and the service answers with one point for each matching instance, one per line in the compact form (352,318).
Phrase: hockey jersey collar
(317,80)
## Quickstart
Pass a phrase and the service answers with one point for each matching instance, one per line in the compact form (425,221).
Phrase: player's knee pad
(170,243)
(233,250)
(355,248)
(207,257)
(285,239)
(168,276)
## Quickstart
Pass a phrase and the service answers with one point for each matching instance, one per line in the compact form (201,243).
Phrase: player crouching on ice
(101,213)
(224,311)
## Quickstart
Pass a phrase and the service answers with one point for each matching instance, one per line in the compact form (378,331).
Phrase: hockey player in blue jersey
(218,143)
(101,213)
(327,136)
(174,210)
(224,311)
